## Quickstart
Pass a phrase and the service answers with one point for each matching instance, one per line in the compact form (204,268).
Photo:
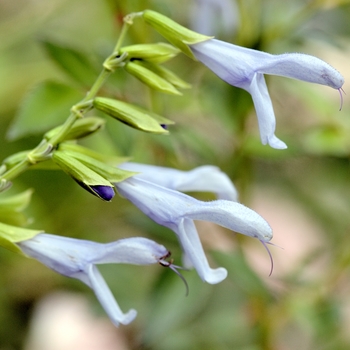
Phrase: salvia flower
(78,259)
(245,68)
(178,211)
(207,178)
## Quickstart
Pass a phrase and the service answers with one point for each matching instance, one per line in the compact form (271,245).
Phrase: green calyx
(131,115)
(150,78)
(156,53)
(175,33)
(110,173)
(81,128)
(83,175)
(10,235)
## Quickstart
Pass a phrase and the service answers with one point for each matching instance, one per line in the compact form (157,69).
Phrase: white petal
(135,250)
(193,249)
(63,255)
(162,205)
(264,112)
(233,216)
(206,178)
(106,298)
(303,67)
(233,64)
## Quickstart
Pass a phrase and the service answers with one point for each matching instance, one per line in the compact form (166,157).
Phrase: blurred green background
(303,191)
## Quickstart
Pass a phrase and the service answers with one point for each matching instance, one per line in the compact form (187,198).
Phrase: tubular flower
(178,211)
(245,68)
(77,259)
(207,178)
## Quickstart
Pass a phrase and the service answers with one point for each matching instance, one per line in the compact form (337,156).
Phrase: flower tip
(127,318)
(264,243)
(174,268)
(276,143)
(341,97)
(216,275)
(104,192)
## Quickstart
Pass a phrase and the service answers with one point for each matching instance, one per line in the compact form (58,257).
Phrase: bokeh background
(303,191)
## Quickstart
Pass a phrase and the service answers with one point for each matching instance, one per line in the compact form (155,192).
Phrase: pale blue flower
(178,211)
(245,68)
(77,259)
(207,178)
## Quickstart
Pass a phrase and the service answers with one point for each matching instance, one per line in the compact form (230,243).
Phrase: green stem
(127,23)
(101,79)
(42,151)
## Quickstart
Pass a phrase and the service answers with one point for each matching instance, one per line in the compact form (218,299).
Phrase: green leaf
(73,62)
(45,106)
(135,117)
(9,235)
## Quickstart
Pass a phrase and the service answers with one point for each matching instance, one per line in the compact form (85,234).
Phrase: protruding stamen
(270,255)
(174,268)
(341,97)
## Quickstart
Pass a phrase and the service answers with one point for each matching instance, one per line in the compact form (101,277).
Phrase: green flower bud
(112,174)
(175,33)
(156,53)
(107,159)
(81,128)
(84,176)
(131,115)
(166,74)
(150,78)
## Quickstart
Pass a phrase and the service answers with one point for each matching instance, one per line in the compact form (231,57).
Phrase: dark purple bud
(104,192)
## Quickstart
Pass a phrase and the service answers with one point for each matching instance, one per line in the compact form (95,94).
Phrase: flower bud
(156,53)
(81,128)
(84,176)
(109,172)
(150,78)
(134,116)
(166,74)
